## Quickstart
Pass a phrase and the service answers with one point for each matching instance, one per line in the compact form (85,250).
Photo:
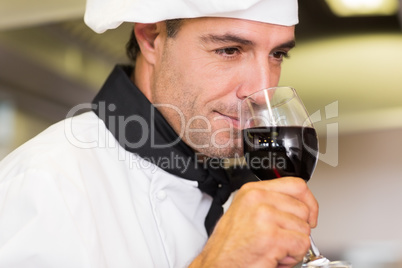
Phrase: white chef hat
(102,15)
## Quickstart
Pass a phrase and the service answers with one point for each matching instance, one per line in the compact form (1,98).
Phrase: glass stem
(312,254)
(313,249)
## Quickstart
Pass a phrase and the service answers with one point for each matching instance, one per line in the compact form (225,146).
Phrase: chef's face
(202,74)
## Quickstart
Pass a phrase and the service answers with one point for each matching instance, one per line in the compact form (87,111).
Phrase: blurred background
(347,67)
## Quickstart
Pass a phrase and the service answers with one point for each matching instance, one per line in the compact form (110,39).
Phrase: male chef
(138,181)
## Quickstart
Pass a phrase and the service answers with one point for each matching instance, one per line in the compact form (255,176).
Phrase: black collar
(141,129)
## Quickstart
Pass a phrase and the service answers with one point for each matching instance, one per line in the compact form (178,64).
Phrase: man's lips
(234,119)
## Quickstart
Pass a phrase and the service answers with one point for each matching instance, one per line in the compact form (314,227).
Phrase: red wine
(274,152)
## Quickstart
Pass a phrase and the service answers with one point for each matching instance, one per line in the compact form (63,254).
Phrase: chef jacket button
(161,195)
(219,185)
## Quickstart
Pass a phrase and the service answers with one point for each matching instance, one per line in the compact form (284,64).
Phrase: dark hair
(132,47)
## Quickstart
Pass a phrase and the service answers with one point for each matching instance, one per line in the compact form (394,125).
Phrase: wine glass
(279,140)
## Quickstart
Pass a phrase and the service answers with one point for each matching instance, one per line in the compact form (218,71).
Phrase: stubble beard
(226,144)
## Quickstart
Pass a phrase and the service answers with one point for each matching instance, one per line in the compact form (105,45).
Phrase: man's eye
(228,51)
(279,55)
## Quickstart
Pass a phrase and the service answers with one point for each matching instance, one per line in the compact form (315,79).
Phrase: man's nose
(256,78)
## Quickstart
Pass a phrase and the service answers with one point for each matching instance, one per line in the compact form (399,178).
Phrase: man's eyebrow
(289,45)
(226,38)
(231,38)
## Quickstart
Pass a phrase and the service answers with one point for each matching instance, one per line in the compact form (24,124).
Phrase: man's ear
(148,37)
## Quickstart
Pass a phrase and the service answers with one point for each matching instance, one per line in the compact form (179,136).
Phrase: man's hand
(267,225)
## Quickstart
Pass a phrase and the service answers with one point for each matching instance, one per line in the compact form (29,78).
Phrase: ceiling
(350,67)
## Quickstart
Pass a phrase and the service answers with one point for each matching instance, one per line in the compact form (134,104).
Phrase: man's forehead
(226,30)
(233,24)
(102,15)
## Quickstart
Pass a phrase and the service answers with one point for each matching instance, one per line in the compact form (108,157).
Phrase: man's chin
(218,146)
(224,152)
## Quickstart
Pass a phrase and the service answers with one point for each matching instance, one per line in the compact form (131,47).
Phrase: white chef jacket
(73,197)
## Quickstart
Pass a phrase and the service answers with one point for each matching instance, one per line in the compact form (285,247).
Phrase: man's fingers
(298,243)
(291,248)
(290,186)
(290,205)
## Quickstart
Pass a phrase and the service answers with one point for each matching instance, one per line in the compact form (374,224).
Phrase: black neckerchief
(141,129)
